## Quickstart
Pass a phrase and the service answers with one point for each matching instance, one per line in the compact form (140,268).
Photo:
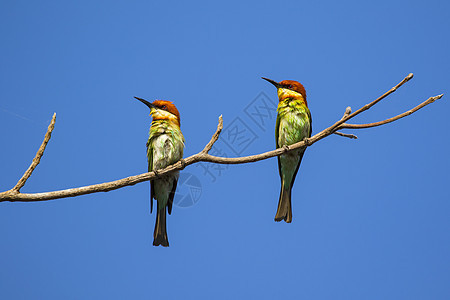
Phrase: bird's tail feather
(284,211)
(160,233)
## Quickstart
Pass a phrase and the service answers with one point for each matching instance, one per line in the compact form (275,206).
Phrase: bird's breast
(294,126)
(166,143)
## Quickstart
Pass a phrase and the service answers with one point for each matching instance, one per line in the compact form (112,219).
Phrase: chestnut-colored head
(294,86)
(289,89)
(162,110)
(167,106)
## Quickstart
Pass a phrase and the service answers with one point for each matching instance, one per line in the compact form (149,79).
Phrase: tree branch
(347,135)
(369,105)
(215,137)
(347,112)
(203,156)
(406,113)
(37,157)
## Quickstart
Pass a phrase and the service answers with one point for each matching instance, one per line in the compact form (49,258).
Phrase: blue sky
(370,216)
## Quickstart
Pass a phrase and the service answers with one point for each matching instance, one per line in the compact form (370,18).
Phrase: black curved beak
(276,84)
(146,103)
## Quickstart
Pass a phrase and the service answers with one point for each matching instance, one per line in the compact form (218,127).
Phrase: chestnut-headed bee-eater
(293,125)
(164,147)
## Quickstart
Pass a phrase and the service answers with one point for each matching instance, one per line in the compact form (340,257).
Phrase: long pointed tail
(284,211)
(160,233)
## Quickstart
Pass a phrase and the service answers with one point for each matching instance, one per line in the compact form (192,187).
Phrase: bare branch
(215,137)
(15,195)
(348,135)
(348,111)
(407,113)
(38,156)
(369,105)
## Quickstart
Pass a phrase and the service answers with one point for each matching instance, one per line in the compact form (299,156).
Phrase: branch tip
(402,115)
(37,157)
(347,112)
(215,136)
(347,135)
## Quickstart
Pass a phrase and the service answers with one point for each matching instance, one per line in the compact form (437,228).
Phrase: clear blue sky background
(371,216)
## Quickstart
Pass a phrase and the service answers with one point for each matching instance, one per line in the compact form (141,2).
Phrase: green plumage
(164,147)
(293,125)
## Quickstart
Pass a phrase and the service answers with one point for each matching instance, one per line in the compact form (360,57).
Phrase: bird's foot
(183,163)
(306,141)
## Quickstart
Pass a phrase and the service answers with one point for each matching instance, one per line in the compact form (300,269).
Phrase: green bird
(292,126)
(165,147)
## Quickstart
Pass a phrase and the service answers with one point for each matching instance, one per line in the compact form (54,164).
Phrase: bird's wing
(150,168)
(310,122)
(277,130)
(303,152)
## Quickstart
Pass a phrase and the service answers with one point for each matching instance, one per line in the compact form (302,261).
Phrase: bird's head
(289,89)
(162,110)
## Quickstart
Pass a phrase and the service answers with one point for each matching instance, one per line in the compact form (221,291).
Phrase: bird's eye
(290,86)
(164,107)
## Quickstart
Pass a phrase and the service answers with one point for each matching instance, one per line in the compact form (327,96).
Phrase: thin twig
(37,157)
(348,135)
(348,111)
(407,113)
(215,137)
(369,105)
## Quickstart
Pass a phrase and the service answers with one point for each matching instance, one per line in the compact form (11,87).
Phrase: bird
(165,147)
(293,125)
